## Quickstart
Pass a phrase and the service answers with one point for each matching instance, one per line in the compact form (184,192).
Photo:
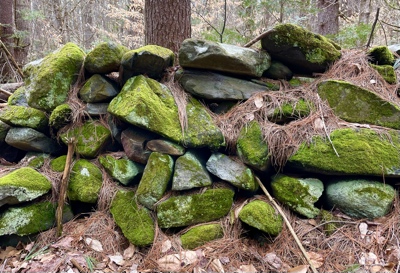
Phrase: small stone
(200,235)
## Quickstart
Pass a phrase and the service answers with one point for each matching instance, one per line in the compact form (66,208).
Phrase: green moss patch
(387,72)
(105,58)
(58,164)
(123,170)
(60,116)
(200,235)
(21,116)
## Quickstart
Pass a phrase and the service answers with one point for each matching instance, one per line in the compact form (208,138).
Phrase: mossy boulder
(58,164)
(98,89)
(190,172)
(361,198)
(4,127)
(85,182)
(155,179)
(146,103)
(232,171)
(91,138)
(151,60)
(49,79)
(381,55)
(22,116)
(185,210)
(361,152)
(105,58)
(60,116)
(31,219)
(387,72)
(199,235)
(262,216)
(251,146)
(136,223)
(18,97)
(300,50)
(201,54)
(21,185)
(299,194)
(123,170)
(356,104)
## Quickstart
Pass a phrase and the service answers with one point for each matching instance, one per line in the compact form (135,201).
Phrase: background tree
(328,17)
(6,36)
(167,22)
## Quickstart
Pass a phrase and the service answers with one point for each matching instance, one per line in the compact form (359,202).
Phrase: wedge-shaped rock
(105,58)
(146,103)
(31,219)
(134,143)
(151,60)
(262,216)
(299,194)
(165,146)
(361,152)
(98,89)
(199,235)
(361,198)
(28,139)
(136,223)
(90,138)
(299,49)
(21,116)
(186,210)
(209,85)
(251,146)
(85,182)
(22,185)
(356,104)
(232,171)
(190,172)
(50,78)
(156,176)
(223,57)
(123,170)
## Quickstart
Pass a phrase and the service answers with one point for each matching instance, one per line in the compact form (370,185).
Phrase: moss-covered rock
(387,72)
(98,89)
(4,127)
(192,209)
(155,179)
(291,111)
(18,97)
(36,160)
(146,103)
(105,58)
(90,138)
(49,79)
(22,116)
(123,170)
(381,55)
(299,49)
(361,198)
(85,182)
(22,185)
(58,164)
(151,60)
(30,219)
(232,171)
(361,152)
(200,235)
(251,146)
(262,216)
(60,116)
(356,104)
(136,223)
(299,194)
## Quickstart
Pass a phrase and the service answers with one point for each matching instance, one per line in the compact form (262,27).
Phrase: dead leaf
(375,268)
(239,208)
(174,262)
(247,269)
(129,252)
(274,261)
(258,102)
(318,124)
(316,259)
(363,228)
(249,117)
(64,243)
(134,268)
(298,269)
(94,244)
(166,245)
(217,265)
(117,259)
(198,269)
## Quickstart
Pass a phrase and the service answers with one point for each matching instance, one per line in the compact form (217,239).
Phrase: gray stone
(165,146)
(98,89)
(134,143)
(223,58)
(232,171)
(361,198)
(190,172)
(123,170)
(96,109)
(278,71)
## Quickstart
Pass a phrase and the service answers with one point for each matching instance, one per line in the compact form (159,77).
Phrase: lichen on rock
(22,116)
(123,170)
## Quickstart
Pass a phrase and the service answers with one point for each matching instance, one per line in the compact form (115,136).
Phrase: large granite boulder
(21,185)
(21,116)
(136,223)
(105,58)
(98,89)
(359,152)
(360,198)
(146,103)
(121,169)
(302,51)
(49,79)
(220,57)
(356,104)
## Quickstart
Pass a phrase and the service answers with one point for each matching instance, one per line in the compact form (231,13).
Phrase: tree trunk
(365,11)
(6,36)
(22,26)
(328,17)
(167,22)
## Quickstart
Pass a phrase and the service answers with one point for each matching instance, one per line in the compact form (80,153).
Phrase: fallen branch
(12,59)
(278,208)
(11,87)
(5,92)
(258,38)
(373,28)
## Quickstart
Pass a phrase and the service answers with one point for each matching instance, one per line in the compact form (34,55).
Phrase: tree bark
(328,17)
(22,26)
(365,11)
(167,22)
(6,37)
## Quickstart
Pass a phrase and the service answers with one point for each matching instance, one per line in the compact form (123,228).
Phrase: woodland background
(30,29)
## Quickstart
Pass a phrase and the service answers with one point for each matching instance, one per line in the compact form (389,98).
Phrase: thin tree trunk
(21,25)
(328,17)
(365,11)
